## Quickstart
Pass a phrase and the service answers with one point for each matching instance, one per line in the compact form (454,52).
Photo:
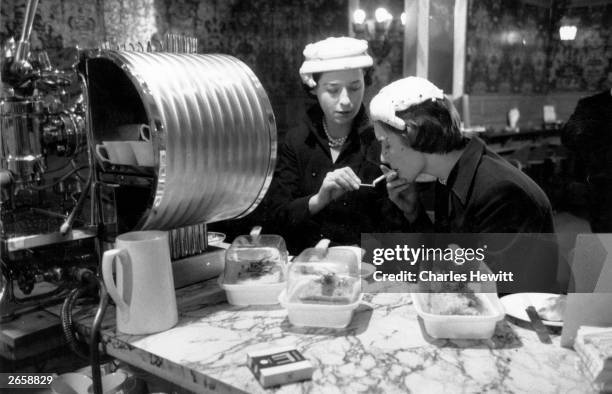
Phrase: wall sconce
(375,31)
(568,29)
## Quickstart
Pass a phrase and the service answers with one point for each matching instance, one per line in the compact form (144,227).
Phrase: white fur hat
(334,53)
(401,95)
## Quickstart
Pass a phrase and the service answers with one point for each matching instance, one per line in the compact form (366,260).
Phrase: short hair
(367,80)
(432,126)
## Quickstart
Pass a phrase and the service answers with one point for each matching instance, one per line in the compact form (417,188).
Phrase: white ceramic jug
(144,287)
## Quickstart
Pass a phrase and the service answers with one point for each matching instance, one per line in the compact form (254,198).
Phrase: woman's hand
(335,184)
(402,193)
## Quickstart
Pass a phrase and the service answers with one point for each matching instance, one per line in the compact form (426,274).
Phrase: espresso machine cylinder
(20,147)
(212,133)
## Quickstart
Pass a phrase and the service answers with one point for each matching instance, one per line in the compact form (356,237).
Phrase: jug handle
(107,274)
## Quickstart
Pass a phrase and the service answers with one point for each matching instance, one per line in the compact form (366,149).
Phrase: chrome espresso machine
(148,136)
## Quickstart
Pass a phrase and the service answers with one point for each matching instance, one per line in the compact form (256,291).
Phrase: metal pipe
(23,46)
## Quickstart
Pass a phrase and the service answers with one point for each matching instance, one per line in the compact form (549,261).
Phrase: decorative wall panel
(129,21)
(268,35)
(586,62)
(506,47)
(64,23)
(514,47)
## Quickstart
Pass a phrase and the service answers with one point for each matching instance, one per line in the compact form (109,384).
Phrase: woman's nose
(344,98)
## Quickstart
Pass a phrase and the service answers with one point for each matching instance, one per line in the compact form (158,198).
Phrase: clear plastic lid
(256,259)
(324,276)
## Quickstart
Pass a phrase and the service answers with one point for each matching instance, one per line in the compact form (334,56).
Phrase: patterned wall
(506,47)
(585,63)
(63,23)
(268,35)
(514,47)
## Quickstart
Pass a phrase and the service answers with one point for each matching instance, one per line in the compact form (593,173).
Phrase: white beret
(401,95)
(332,54)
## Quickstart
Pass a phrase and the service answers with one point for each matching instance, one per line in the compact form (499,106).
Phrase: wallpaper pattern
(268,35)
(63,23)
(514,47)
(585,63)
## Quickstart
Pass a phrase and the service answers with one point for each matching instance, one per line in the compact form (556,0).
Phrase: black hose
(94,350)
(66,317)
(67,325)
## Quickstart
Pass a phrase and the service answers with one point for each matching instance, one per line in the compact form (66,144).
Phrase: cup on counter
(143,287)
(71,383)
(143,151)
(119,383)
(143,148)
(116,152)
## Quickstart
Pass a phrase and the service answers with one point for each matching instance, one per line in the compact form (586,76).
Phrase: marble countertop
(384,349)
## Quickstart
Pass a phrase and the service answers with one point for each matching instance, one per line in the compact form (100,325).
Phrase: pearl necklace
(333,142)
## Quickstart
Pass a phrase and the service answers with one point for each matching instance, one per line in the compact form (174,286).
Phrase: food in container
(323,287)
(255,269)
(456,304)
(459,315)
(252,264)
(327,288)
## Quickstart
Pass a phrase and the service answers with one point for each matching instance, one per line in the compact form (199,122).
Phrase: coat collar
(462,175)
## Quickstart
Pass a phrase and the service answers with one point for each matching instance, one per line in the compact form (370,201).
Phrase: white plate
(215,238)
(515,305)
(367,270)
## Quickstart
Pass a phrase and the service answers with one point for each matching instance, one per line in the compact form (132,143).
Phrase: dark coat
(304,160)
(588,133)
(486,194)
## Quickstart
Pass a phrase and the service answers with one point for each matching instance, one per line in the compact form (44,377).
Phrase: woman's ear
(311,92)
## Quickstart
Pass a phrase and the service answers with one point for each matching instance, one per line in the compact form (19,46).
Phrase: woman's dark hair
(367,80)
(431,127)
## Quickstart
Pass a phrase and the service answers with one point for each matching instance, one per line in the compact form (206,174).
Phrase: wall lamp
(376,30)
(568,29)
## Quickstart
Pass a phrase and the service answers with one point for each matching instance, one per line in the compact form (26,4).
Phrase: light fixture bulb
(403,18)
(359,16)
(568,32)
(382,15)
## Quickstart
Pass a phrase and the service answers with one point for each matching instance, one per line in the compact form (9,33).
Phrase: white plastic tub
(316,315)
(260,294)
(460,326)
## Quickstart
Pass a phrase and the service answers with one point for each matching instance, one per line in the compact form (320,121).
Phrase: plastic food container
(457,326)
(255,270)
(323,288)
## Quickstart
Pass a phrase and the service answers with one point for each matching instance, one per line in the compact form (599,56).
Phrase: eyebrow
(334,83)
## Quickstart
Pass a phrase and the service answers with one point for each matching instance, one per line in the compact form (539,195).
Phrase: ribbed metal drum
(212,131)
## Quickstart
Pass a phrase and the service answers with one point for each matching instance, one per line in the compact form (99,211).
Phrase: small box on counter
(277,366)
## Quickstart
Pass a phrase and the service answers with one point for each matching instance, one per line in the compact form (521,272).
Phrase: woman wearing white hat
(482,193)
(317,192)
